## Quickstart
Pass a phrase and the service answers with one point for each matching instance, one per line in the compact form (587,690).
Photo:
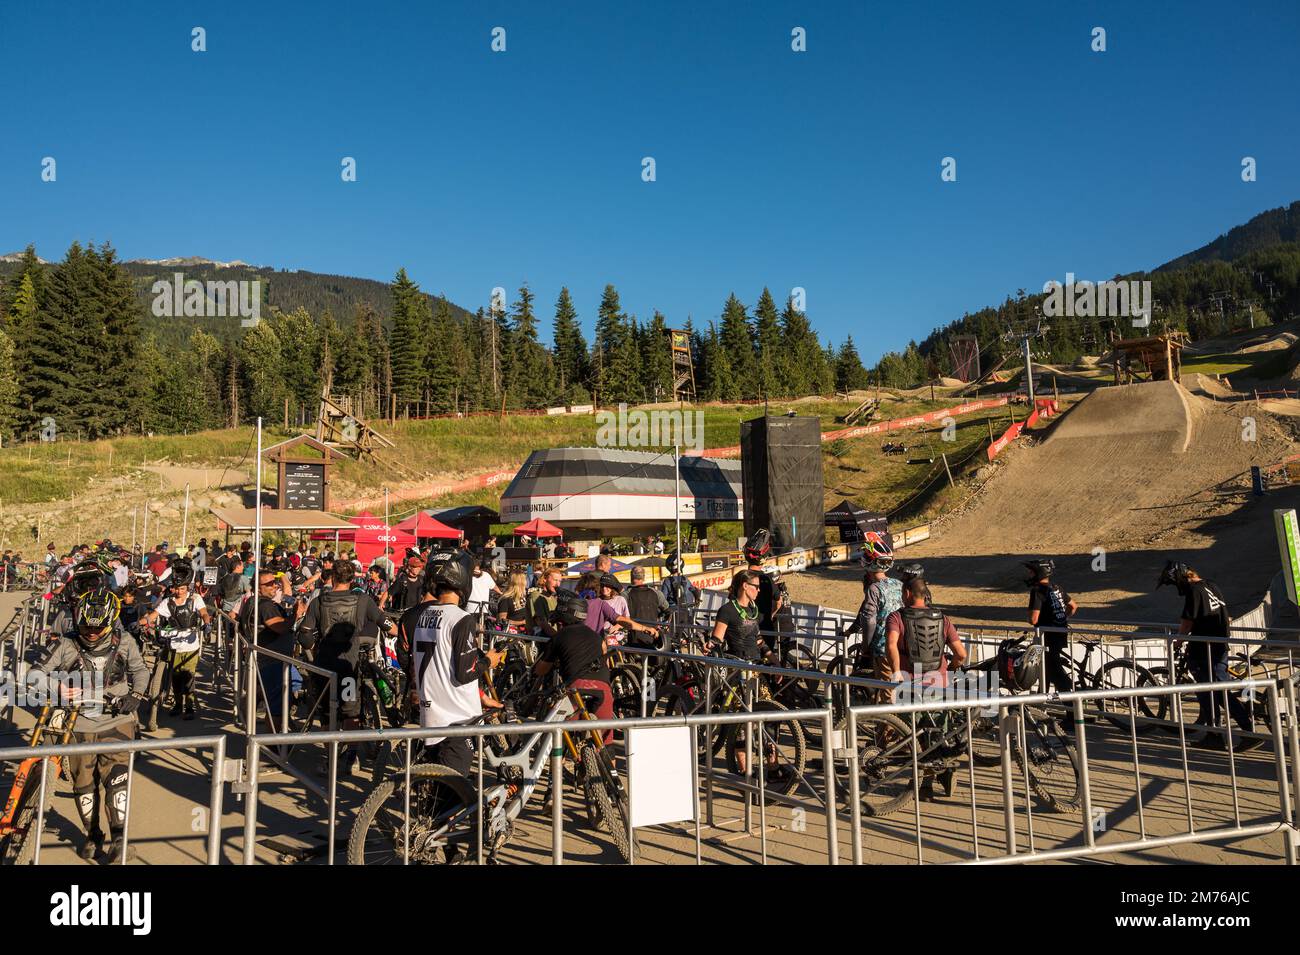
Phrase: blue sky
(817,169)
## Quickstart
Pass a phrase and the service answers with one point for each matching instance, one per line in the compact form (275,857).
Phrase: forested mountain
(1252,274)
(81,341)
(1267,229)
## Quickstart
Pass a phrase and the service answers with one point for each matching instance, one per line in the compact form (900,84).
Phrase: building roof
(273,519)
(617,490)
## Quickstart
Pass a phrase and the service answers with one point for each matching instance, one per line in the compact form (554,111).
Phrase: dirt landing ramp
(1119,468)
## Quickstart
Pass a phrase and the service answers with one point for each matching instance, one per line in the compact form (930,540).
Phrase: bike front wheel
(784,749)
(885,783)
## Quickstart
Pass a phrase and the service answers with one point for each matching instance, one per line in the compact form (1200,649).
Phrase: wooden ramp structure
(341,428)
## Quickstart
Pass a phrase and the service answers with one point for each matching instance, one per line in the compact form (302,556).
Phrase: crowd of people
(425,613)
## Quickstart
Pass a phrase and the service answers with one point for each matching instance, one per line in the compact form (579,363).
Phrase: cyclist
(1205,614)
(1050,606)
(98,654)
(185,615)
(445,661)
(736,625)
(915,638)
(643,601)
(542,602)
(512,609)
(580,653)
(405,590)
(681,594)
(882,595)
(773,601)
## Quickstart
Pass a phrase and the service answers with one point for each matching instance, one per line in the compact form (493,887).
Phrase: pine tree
(614,355)
(262,363)
(849,373)
(736,339)
(441,383)
(57,347)
(408,339)
(656,360)
(118,399)
(8,390)
(767,337)
(570,348)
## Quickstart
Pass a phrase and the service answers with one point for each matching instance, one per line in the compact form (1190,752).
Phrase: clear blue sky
(817,169)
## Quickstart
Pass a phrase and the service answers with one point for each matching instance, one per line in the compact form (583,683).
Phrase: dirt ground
(1130,478)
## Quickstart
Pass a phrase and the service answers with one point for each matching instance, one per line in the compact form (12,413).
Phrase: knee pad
(88,807)
(115,790)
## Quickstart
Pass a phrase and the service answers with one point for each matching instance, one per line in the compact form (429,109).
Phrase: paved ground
(170,796)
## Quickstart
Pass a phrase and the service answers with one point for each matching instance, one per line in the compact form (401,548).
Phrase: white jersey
(184,625)
(480,593)
(433,650)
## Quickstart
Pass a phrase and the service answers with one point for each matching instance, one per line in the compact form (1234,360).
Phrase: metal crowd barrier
(215,742)
(824,799)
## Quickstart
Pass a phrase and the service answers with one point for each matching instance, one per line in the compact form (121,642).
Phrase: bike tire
(1055,775)
(885,783)
(1126,675)
(609,796)
(786,736)
(20,846)
(1191,705)
(625,684)
(374,816)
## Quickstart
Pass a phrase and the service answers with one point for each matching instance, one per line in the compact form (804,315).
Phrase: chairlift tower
(679,343)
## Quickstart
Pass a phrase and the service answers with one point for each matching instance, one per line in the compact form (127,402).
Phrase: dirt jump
(1129,477)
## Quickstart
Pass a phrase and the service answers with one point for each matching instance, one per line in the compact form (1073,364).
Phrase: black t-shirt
(1207,609)
(405,591)
(576,650)
(266,610)
(1052,604)
(742,629)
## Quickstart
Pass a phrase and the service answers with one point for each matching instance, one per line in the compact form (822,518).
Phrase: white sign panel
(661,784)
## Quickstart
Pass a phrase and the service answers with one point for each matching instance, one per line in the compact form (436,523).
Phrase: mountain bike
(781,742)
(1241,666)
(444,820)
(22,805)
(1044,751)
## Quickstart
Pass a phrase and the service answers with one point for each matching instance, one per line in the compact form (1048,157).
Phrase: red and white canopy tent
(539,528)
(370,541)
(423,527)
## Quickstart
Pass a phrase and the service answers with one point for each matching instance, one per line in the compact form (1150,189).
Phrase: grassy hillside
(83,490)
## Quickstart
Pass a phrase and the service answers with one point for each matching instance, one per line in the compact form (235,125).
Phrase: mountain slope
(1266,229)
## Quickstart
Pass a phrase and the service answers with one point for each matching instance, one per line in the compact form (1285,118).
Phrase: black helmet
(612,582)
(182,573)
(1040,568)
(1175,573)
(446,571)
(1020,667)
(97,610)
(85,577)
(673,563)
(759,545)
(570,608)
(909,572)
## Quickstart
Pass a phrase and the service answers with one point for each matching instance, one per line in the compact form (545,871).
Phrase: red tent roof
(539,527)
(422,525)
(371,541)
